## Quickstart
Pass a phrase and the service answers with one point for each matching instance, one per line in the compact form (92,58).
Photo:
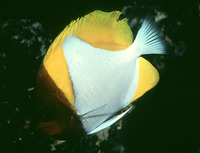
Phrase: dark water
(165,120)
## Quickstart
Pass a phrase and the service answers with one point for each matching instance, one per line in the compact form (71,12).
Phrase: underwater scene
(109,76)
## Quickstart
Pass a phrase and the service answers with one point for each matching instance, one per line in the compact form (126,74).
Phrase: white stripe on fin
(109,122)
(148,39)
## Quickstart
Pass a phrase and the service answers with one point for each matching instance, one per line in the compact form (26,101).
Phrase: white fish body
(105,82)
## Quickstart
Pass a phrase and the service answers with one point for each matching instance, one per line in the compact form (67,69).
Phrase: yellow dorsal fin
(101,30)
(148,78)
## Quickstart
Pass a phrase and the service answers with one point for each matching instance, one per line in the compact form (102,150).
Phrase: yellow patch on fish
(148,78)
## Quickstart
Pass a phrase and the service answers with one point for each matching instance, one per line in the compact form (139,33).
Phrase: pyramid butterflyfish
(94,69)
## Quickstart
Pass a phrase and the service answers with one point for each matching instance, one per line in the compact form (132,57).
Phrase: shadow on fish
(92,71)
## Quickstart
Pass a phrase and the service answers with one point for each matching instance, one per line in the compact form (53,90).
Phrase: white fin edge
(148,39)
(109,122)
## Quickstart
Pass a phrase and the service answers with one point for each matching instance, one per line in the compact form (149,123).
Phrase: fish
(94,68)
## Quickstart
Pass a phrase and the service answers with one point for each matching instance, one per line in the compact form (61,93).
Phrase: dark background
(165,120)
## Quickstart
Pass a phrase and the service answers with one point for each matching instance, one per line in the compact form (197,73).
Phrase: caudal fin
(149,39)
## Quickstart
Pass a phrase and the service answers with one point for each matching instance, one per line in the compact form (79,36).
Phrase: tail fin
(149,39)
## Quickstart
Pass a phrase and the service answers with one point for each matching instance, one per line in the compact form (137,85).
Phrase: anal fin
(148,78)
